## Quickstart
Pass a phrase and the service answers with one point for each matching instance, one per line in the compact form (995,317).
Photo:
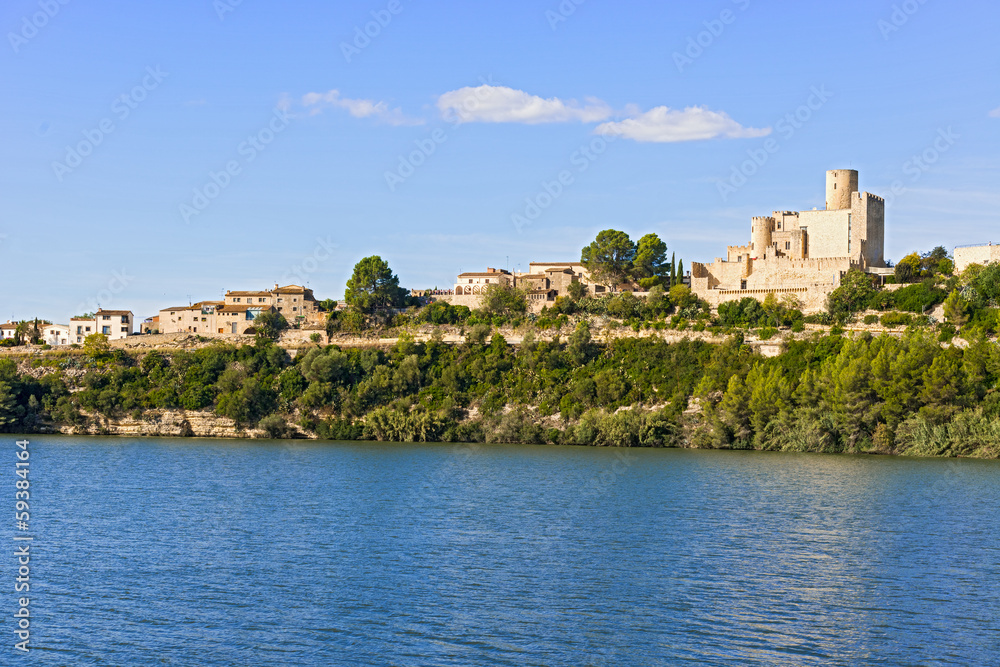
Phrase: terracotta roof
(531,276)
(290,289)
(555,264)
(484,274)
(81,319)
(114,312)
(248,294)
(555,270)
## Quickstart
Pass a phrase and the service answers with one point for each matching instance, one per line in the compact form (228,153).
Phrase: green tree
(955,309)
(327,305)
(577,290)
(609,257)
(503,300)
(96,344)
(673,270)
(269,325)
(853,295)
(909,268)
(649,266)
(373,286)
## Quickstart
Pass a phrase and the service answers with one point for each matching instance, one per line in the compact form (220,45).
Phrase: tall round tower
(840,183)
(760,235)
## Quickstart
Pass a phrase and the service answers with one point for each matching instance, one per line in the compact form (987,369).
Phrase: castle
(802,253)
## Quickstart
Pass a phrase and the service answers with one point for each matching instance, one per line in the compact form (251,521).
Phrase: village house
(543,283)
(236,312)
(8,330)
(294,302)
(115,324)
(56,334)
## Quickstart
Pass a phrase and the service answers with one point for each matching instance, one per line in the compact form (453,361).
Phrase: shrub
(275,427)
(897,320)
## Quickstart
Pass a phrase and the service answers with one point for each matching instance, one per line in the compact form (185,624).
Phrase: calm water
(195,552)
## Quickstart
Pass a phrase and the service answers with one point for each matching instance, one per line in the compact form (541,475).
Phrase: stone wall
(977,254)
(827,232)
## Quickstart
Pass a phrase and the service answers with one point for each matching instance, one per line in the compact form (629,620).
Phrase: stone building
(804,253)
(975,254)
(544,282)
(236,312)
(294,302)
(196,318)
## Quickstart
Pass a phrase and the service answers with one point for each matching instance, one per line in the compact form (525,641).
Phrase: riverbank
(905,394)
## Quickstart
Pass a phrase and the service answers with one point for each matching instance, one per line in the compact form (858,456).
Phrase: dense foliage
(884,394)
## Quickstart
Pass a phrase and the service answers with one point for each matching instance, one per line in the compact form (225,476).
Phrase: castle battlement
(796,250)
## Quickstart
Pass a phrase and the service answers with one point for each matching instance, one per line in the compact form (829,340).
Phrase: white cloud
(317,102)
(499,104)
(995,113)
(665,125)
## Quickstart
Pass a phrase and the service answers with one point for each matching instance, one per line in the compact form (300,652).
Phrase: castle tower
(760,235)
(840,183)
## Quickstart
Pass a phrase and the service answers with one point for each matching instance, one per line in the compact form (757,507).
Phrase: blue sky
(262,142)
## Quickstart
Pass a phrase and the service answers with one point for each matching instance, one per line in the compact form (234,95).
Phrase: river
(210,552)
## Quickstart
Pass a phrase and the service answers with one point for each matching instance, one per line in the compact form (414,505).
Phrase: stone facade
(804,253)
(975,254)
(234,314)
(543,282)
(294,302)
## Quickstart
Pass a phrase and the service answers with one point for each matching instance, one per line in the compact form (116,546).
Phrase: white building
(56,334)
(115,324)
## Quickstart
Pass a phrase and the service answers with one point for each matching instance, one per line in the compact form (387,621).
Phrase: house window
(124,329)
(79,330)
(124,319)
(106,331)
(788,245)
(105,317)
(87,329)
(279,309)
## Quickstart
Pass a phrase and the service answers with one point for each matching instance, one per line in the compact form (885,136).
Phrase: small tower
(840,183)
(760,236)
